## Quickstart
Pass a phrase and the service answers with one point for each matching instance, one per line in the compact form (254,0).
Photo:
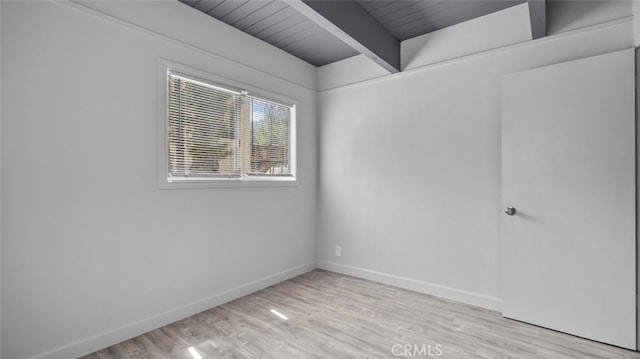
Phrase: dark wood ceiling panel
(305,39)
(310,51)
(417,16)
(374,5)
(259,15)
(409,18)
(293,42)
(243,11)
(270,21)
(278,23)
(306,46)
(296,32)
(279,27)
(434,17)
(431,10)
(301,43)
(400,14)
(538,18)
(190,2)
(391,10)
(226,8)
(461,11)
(350,23)
(205,5)
(455,17)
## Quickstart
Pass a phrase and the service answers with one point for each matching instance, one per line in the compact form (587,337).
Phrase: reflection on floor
(326,315)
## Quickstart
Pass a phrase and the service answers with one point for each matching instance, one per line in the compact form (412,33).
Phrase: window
(219,135)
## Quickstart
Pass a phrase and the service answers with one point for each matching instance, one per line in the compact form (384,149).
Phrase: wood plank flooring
(332,316)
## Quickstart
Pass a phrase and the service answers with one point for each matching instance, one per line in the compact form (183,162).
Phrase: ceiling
(407,19)
(322,32)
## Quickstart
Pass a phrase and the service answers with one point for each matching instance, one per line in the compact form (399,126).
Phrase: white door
(568,169)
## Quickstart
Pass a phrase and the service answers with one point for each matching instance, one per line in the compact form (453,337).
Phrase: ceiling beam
(350,23)
(538,18)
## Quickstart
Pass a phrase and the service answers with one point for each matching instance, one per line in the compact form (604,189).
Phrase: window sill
(243,182)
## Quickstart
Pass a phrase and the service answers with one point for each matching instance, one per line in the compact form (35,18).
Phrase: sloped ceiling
(322,32)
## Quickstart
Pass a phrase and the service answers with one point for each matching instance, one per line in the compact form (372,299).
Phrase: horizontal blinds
(270,138)
(203,129)
(216,132)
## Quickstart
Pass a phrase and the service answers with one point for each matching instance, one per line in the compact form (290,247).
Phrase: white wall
(567,15)
(0,180)
(92,251)
(636,22)
(637,191)
(410,168)
(499,29)
(202,32)
(348,71)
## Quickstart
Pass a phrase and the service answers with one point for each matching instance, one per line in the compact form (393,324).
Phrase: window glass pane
(270,131)
(203,129)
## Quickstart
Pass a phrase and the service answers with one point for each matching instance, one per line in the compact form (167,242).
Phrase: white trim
(222,81)
(458,295)
(229,85)
(79,6)
(427,67)
(114,336)
(89,345)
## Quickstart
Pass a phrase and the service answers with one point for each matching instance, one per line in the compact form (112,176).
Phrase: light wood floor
(331,316)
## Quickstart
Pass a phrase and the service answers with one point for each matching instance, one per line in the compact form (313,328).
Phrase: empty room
(200,179)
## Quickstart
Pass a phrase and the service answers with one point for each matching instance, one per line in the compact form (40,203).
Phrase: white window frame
(252,180)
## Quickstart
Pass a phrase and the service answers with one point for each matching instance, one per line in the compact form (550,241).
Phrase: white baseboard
(108,338)
(463,296)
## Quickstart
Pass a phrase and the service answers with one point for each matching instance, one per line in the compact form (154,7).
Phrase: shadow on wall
(570,15)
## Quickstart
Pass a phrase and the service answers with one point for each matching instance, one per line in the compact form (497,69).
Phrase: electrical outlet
(338,251)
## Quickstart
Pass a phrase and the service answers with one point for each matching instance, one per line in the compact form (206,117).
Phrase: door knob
(510,211)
